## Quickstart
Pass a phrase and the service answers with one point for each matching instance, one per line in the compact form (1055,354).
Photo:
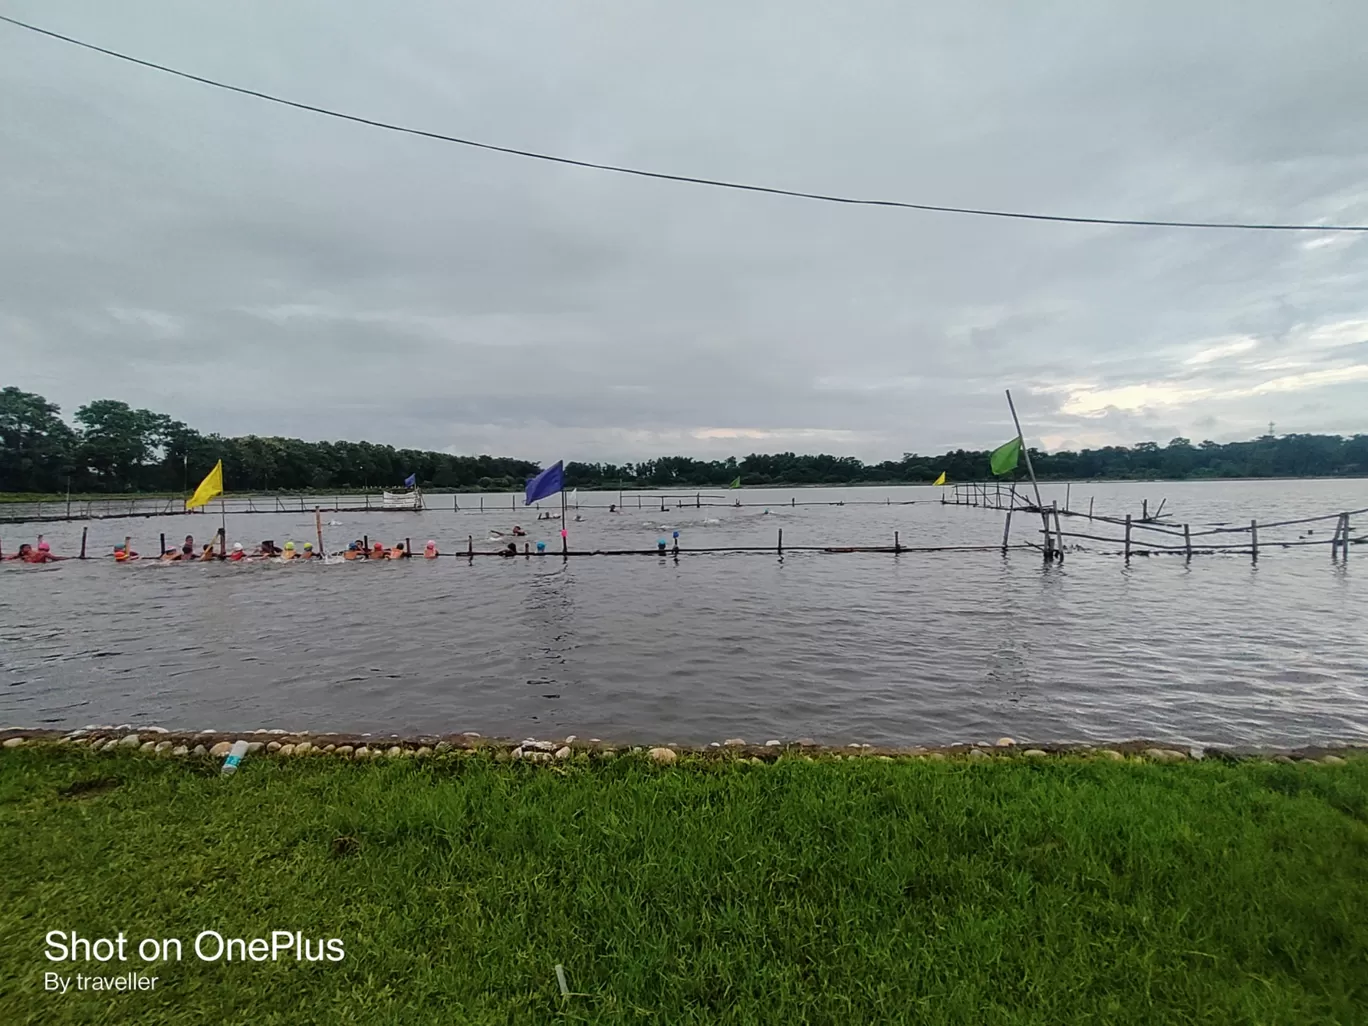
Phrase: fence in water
(1153,533)
(59,510)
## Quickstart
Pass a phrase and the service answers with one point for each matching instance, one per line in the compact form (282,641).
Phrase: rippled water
(921,647)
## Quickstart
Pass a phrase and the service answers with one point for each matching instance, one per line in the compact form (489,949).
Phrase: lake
(920,647)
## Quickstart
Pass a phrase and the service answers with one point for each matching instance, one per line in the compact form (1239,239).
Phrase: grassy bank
(1058,890)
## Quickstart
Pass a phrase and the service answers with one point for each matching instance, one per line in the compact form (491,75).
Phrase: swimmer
(512,549)
(188,549)
(612,507)
(25,550)
(578,518)
(309,552)
(378,552)
(398,551)
(208,554)
(289,552)
(171,556)
(352,552)
(518,532)
(124,553)
(237,555)
(43,554)
(430,550)
(267,550)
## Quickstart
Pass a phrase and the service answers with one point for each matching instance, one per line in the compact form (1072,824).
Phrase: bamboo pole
(1068,490)
(1007,526)
(1059,531)
(83,541)
(1187,541)
(897,546)
(1144,509)
(1128,530)
(318,528)
(1254,539)
(1030,469)
(781,541)
(1090,505)
(163,545)
(1346,536)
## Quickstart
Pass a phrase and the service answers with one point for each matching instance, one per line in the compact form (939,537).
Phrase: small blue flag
(411,481)
(548,482)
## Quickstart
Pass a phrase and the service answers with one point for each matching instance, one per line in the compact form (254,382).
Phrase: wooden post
(1007,527)
(1187,542)
(456,503)
(163,545)
(1090,504)
(408,547)
(83,541)
(1346,536)
(781,541)
(1335,538)
(1144,510)
(897,546)
(1059,531)
(1068,490)
(365,541)
(527,550)
(793,501)
(1128,529)
(470,546)
(1254,539)
(698,500)
(481,503)
(318,526)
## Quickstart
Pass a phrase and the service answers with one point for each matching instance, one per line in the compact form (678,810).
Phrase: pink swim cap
(43,546)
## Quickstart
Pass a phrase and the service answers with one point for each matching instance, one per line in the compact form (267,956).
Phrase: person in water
(378,552)
(43,554)
(237,555)
(208,554)
(289,552)
(123,553)
(309,553)
(430,550)
(512,549)
(518,532)
(188,549)
(171,556)
(22,556)
(398,551)
(351,552)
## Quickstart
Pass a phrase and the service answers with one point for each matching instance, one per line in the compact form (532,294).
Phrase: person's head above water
(308,546)
(237,546)
(43,546)
(351,547)
(289,546)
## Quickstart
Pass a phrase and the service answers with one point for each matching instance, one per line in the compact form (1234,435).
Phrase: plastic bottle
(230,764)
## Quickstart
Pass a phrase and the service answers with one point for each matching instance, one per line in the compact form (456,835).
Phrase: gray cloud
(248,268)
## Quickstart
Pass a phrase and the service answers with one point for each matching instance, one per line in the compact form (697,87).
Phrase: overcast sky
(249,268)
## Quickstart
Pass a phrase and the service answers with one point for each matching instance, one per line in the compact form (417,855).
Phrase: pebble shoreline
(278,743)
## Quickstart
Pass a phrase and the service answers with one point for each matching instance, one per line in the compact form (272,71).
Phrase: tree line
(112,448)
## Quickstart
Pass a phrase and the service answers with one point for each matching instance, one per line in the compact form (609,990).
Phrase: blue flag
(411,481)
(548,482)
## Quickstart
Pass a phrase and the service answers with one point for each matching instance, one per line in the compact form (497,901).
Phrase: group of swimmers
(266,550)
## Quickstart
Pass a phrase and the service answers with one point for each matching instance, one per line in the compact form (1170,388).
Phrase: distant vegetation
(113,448)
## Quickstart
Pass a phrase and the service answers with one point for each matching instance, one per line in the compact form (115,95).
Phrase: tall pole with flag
(212,486)
(549,482)
(1020,444)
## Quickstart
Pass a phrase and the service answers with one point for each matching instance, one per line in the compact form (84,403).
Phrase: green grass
(1061,891)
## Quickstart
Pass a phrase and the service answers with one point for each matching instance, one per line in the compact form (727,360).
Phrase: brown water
(920,647)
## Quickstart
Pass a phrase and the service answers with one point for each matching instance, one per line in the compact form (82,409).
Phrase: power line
(662,176)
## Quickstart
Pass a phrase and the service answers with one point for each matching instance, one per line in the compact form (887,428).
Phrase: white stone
(714,744)
(1111,753)
(147,746)
(423,752)
(594,740)
(77,733)
(200,750)
(286,750)
(13,742)
(734,742)
(303,748)
(1035,753)
(1005,742)
(155,730)
(517,753)
(163,746)
(471,733)
(222,748)
(361,753)
(274,746)
(853,744)
(276,730)
(978,753)
(395,752)
(109,746)
(180,750)
(570,740)
(254,746)
(131,741)
(343,750)
(664,756)
(773,744)
(1332,760)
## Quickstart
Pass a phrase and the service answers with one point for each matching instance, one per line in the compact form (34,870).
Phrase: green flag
(736,483)
(1005,457)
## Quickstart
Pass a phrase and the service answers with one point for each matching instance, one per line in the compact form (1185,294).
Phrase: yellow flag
(940,480)
(212,485)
